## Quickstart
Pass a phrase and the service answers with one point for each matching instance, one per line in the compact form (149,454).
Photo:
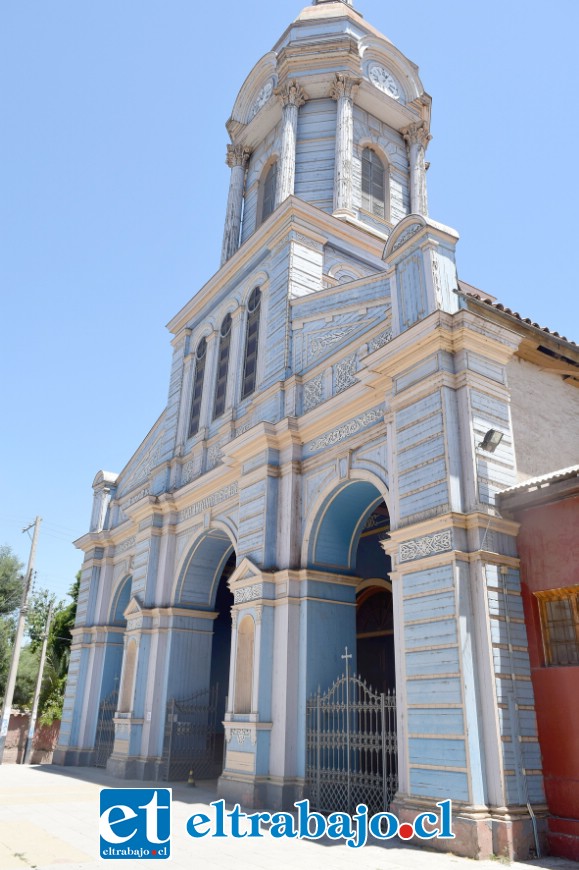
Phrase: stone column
(237,159)
(343,89)
(417,138)
(291,96)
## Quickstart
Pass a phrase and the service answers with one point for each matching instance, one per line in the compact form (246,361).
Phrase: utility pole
(32,725)
(18,639)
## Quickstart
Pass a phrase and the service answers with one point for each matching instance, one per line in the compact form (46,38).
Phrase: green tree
(11,584)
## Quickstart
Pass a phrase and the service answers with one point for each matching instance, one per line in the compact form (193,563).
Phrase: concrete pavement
(49,820)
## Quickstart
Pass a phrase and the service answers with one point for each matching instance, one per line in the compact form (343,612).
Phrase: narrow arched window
(222,367)
(269,186)
(373,186)
(244,665)
(251,343)
(200,355)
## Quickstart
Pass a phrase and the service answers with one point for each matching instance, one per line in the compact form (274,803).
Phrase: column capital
(344,86)
(416,134)
(237,155)
(291,94)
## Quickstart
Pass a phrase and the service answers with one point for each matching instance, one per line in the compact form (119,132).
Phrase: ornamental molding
(407,234)
(208,502)
(145,465)
(345,374)
(291,94)
(416,134)
(313,392)
(248,593)
(352,427)
(241,429)
(138,496)
(344,86)
(126,545)
(380,340)
(429,545)
(261,99)
(317,344)
(237,155)
(241,735)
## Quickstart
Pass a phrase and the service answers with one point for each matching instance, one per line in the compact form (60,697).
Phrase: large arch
(202,568)
(336,522)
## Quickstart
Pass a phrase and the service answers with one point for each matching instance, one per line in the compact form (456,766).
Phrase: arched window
(268,196)
(222,367)
(200,355)
(373,186)
(244,665)
(251,343)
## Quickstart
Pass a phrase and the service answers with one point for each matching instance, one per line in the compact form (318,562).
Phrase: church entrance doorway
(351,727)
(193,744)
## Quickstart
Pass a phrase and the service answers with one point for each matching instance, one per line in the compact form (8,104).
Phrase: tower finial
(347,2)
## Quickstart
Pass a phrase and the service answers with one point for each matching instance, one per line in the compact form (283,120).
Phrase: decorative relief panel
(240,734)
(145,465)
(243,428)
(346,431)
(261,99)
(321,341)
(429,545)
(208,502)
(313,392)
(188,472)
(248,593)
(138,496)
(380,340)
(344,374)
(407,234)
(126,545)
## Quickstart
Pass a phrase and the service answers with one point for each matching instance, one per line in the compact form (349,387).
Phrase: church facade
(342,412)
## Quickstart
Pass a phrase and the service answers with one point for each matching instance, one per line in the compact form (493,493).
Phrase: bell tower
(335,115)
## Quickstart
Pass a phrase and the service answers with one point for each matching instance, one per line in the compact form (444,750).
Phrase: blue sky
(113,191)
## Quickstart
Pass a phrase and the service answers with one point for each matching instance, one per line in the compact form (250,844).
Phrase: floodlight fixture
(491,440)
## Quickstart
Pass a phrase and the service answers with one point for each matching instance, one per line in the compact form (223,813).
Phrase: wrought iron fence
(351,747)
(192,741)
(105,730)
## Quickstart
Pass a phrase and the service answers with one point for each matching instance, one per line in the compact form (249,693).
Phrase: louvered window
(269,185)
(222,367)
(373,186)
(251,343)
(200,355)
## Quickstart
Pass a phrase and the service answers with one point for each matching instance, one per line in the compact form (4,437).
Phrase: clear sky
(113,191)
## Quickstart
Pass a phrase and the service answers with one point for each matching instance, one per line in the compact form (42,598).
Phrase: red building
(548,510)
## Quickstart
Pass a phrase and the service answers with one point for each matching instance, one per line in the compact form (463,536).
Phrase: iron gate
(351,747)
(105,730)
(191,741)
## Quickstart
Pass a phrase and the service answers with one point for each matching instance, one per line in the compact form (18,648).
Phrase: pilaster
(237,160)
(291,96)
(343,90)
(417,138)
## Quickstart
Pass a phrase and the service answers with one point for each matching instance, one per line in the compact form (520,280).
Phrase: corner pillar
(291,96)
(343,89)
(237,159)
(417,138)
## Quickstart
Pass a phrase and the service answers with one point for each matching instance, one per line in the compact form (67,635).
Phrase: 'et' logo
(135,823)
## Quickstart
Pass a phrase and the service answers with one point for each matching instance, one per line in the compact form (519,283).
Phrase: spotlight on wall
(491,440)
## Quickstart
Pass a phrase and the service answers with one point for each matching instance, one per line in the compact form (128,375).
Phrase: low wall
(45,739)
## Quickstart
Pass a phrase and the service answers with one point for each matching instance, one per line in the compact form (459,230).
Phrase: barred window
(559,610)
(269,186)
(222,367)
(373,186)
(251,343)
(200,355)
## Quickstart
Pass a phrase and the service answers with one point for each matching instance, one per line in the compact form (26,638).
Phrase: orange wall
(549,549)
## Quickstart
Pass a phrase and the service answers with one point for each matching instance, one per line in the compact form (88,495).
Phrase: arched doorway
(354,712)
(200,658)
(374,608)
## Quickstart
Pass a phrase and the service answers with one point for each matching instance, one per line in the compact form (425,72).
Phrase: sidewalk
(49,820)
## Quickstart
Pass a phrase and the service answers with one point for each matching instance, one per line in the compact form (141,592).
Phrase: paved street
(49,819)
